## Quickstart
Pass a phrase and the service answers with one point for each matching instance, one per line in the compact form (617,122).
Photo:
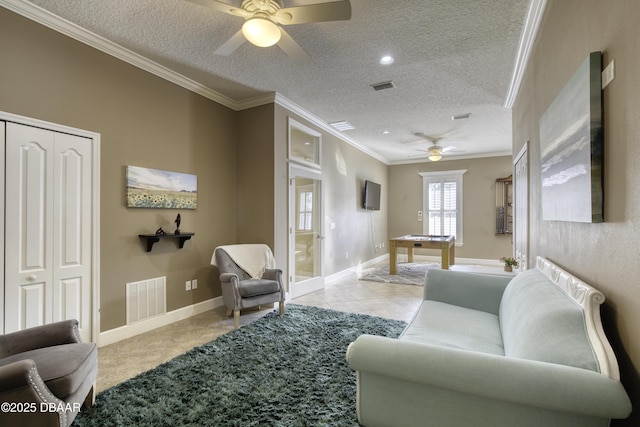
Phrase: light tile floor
(127,358)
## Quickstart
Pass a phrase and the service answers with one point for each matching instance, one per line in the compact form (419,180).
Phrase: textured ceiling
(451,57)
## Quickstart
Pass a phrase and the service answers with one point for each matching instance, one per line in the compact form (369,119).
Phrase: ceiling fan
(264,20)
(435,152)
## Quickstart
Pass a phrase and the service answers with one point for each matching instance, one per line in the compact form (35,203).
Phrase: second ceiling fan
(264,20)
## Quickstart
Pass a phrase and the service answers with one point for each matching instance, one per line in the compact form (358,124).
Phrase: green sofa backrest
(539,322)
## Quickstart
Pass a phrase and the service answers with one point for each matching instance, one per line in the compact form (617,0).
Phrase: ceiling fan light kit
(261,32)
(434,157)
(264,20)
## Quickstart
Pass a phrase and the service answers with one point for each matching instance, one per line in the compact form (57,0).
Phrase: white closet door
(47,231)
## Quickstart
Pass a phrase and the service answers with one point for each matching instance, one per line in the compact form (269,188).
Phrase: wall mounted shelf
(151,239)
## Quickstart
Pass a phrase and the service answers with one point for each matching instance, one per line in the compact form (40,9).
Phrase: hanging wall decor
(153,188)
(571,147)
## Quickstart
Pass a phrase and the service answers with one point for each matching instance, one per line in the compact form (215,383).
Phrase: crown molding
(450,158)
(293,107)
(527,39)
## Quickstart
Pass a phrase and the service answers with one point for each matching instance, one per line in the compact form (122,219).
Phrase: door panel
(307,239)
(47,231)
(72,232)
(29,207)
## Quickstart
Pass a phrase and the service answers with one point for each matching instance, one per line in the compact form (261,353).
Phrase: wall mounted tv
(371,198)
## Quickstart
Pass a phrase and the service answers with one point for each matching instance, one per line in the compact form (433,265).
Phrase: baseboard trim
(118,334)
(356,269)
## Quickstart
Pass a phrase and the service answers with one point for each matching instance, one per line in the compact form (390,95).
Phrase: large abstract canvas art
(154,188)
(571,148)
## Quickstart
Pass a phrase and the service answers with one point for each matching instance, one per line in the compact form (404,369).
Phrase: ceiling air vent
(383,85)
(342,125)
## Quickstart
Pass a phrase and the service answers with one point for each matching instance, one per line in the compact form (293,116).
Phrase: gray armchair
(242,289)
(46,374)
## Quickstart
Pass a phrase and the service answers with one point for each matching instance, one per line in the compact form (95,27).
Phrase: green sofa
(489,350)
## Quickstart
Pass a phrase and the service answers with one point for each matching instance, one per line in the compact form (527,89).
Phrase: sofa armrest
(21,383)
(523,382)
(229,278)
(273,274)
(64,332)
(470,290)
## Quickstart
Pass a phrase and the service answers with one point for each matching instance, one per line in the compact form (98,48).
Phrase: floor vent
(146,298)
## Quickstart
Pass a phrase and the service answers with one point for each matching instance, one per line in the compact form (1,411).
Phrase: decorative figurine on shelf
(160,231)
(177,221)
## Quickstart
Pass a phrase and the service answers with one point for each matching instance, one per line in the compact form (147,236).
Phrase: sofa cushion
(254,287)
(438,323)
(63,368)
(539,322)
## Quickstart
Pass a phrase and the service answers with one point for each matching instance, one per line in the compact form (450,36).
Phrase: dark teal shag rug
(276,371)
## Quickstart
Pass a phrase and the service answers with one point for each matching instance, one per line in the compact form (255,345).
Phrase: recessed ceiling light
(387,60)
(386,132)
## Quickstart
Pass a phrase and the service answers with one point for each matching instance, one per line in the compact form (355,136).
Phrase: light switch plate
(608,74)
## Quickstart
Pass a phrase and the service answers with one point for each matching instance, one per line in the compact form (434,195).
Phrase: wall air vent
(383,85)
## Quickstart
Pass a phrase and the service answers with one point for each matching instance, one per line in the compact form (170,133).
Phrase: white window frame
(305,215)
(428,177)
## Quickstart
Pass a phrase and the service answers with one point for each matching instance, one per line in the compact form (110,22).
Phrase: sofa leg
(281,308)
(90,400)
(236,319)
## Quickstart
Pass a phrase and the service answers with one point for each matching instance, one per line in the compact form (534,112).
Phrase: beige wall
(479,221)
(255,169)
(605,255)
(144,121)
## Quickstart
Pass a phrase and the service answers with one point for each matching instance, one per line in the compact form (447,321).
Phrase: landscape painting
(153,188)
(571,147)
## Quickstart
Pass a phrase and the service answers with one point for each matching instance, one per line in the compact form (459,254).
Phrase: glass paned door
(306,239)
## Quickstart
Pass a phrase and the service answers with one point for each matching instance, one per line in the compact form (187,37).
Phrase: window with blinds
(442,201)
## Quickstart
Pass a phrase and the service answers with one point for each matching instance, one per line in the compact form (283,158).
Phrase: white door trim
(95,207)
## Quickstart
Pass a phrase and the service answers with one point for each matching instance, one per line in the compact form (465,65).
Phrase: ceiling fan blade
(320,12)
(231,45)
(292,48)
(449,148)
(222,7)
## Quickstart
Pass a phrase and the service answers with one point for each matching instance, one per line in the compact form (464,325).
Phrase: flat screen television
(371,199)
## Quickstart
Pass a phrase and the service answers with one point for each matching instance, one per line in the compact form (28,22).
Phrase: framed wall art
(571,148)
(154,188)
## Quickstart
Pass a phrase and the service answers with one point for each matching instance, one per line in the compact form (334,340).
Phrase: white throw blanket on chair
(252,258)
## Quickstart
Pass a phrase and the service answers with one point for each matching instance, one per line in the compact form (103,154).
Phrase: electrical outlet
(187,285)
(194,284)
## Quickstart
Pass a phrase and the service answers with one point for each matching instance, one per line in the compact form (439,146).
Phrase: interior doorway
(306,238)
(521,211)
